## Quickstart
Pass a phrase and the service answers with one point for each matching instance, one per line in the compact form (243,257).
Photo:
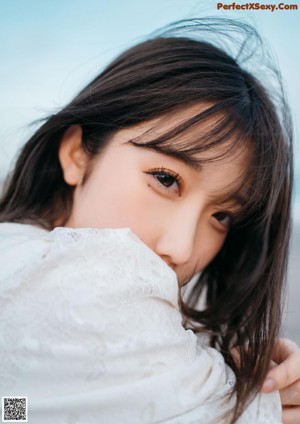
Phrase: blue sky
(51,48)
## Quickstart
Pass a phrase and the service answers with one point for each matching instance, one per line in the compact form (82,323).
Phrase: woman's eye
(166,178)
(223,218)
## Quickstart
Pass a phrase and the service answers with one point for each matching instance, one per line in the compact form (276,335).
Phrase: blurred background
(49,50)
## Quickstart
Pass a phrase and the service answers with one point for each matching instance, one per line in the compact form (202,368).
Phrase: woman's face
(174,208)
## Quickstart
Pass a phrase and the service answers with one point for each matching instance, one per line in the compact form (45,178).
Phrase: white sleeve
(91,332)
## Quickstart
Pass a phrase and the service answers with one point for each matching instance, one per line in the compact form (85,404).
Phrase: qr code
(14,409)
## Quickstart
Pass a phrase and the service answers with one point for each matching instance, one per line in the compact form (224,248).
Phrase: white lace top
(91,332)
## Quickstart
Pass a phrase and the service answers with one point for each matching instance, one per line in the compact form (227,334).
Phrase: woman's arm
(285,377)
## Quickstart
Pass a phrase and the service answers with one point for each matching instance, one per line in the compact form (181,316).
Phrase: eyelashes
(167,179)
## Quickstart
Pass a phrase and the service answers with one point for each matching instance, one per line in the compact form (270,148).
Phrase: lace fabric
(91,332)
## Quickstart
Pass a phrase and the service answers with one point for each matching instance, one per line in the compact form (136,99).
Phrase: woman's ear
(72,157)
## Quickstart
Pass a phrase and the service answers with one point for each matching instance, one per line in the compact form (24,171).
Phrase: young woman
(177,142)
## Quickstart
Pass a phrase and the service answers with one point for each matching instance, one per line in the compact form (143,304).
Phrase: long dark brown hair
(171,71)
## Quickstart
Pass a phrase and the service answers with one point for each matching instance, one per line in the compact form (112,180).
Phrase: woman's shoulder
(10,231)
(15,236)
(19,243)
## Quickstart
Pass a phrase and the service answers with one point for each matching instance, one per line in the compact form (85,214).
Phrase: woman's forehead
(169,120)
(193,144)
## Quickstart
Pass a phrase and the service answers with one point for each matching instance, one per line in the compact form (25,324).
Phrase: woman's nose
(176,243)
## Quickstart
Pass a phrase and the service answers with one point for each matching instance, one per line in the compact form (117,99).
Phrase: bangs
(216,133)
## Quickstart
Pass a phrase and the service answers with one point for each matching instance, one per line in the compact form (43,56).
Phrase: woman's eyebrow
(234,199)
(185,158)
(239,199)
